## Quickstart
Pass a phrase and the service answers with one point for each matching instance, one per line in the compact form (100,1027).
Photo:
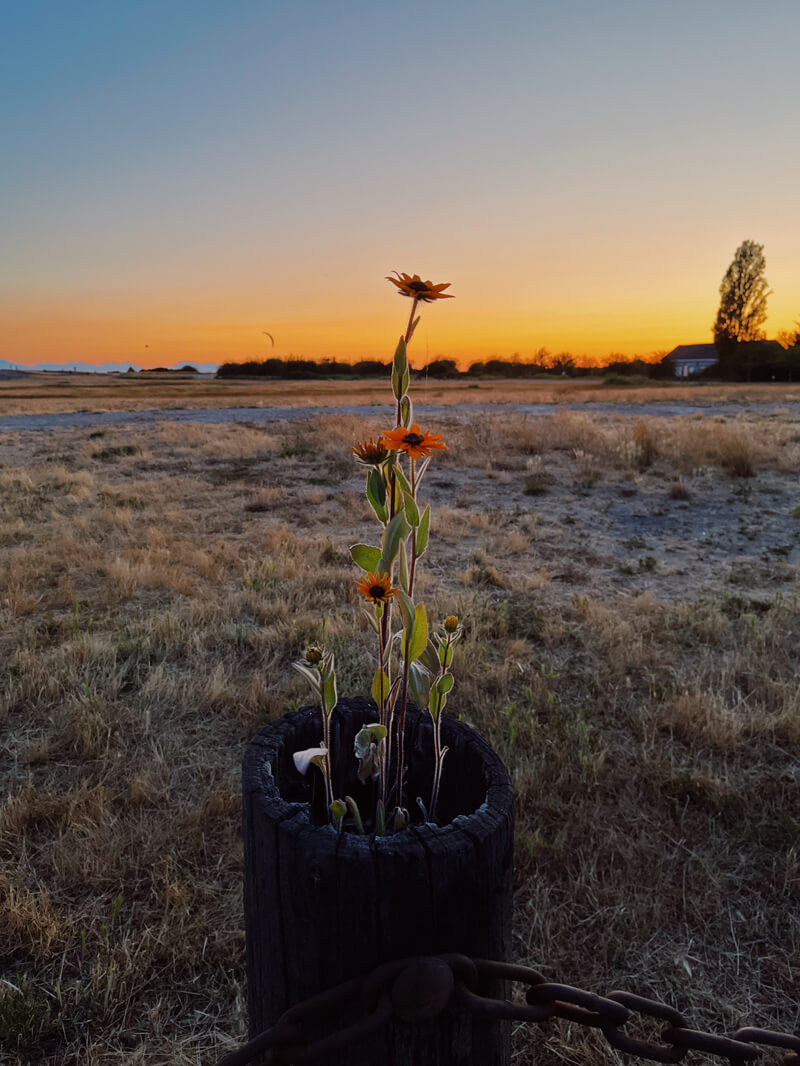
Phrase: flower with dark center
(377,587)
(370,452)
(413,442)
(423,291)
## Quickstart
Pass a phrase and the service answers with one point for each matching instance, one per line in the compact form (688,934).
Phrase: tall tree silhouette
(743,298)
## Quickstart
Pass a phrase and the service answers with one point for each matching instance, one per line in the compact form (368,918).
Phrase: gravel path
(81,419)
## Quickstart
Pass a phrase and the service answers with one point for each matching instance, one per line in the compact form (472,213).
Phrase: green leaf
(397,531)
(352,806)
(406,411)
(438,702)
(380,687)
(400,370)
(365,556)
(312,676)
(422,531)
(419,684)
(431,657)
(439,690)
(419,633)
(411,509)
(406,605)
(338,811)
(401,479)
(445,683)
(397,493)
(329,693)
(403,567)
(400,360)
(445,654)
(376,494)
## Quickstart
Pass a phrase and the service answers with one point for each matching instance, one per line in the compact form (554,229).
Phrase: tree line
(541,365)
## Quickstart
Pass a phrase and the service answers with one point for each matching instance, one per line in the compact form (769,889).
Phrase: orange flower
(376,587)
(411,441)
(370,452)
(424,291)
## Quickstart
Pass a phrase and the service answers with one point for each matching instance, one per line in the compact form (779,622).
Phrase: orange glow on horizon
(60,335)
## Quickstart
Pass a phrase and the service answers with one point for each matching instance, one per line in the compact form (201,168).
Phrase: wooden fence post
(322,908)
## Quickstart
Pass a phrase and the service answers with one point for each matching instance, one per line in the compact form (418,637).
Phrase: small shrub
(679,491)
(736,455)
(537,481)
(115,451)
(646,449)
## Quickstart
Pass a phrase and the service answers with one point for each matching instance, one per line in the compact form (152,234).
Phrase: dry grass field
(51,393)
(630,595)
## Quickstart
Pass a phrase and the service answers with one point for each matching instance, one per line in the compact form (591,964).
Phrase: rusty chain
(412,990)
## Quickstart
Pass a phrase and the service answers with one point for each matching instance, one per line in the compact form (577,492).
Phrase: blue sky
(581,172)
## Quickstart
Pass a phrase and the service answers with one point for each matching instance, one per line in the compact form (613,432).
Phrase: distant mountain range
(104,368)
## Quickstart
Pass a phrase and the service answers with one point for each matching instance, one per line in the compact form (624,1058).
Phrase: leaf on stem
(406,605)
(417,640)
(423,466)
(406,411)
(310,757)
(352,806)
(411,509)
(400,375)
(312,676)
(380,687)
(401,479)
(403,568)
(423,530)
(439,689)
(365,556)
(376,494)
(329,693)
(397,530)
(338,811)
(419,683)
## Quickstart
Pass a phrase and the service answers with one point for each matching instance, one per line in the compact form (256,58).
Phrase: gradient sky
(184,175)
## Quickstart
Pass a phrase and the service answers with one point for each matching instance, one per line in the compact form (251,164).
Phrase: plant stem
(414,303)
(401,729)
(438,757)
(326,743)
(413,566)
(407,339)
(384,747)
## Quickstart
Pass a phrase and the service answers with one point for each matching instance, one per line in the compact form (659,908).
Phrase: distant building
(688,359)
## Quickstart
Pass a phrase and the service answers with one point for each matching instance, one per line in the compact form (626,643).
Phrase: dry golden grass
(638,676)
(48,393)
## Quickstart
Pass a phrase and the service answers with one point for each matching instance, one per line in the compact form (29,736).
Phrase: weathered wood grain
(321,908)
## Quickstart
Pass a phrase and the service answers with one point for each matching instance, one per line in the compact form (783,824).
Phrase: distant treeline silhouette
(746,361)
(542,365)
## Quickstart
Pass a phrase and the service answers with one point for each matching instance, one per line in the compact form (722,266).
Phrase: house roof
(693,351)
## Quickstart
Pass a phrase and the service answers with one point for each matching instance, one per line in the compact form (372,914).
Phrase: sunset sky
(184,175)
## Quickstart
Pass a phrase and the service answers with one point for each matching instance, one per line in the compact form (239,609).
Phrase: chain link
(419,988)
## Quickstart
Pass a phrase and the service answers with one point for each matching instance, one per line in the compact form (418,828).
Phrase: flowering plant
(414,663)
